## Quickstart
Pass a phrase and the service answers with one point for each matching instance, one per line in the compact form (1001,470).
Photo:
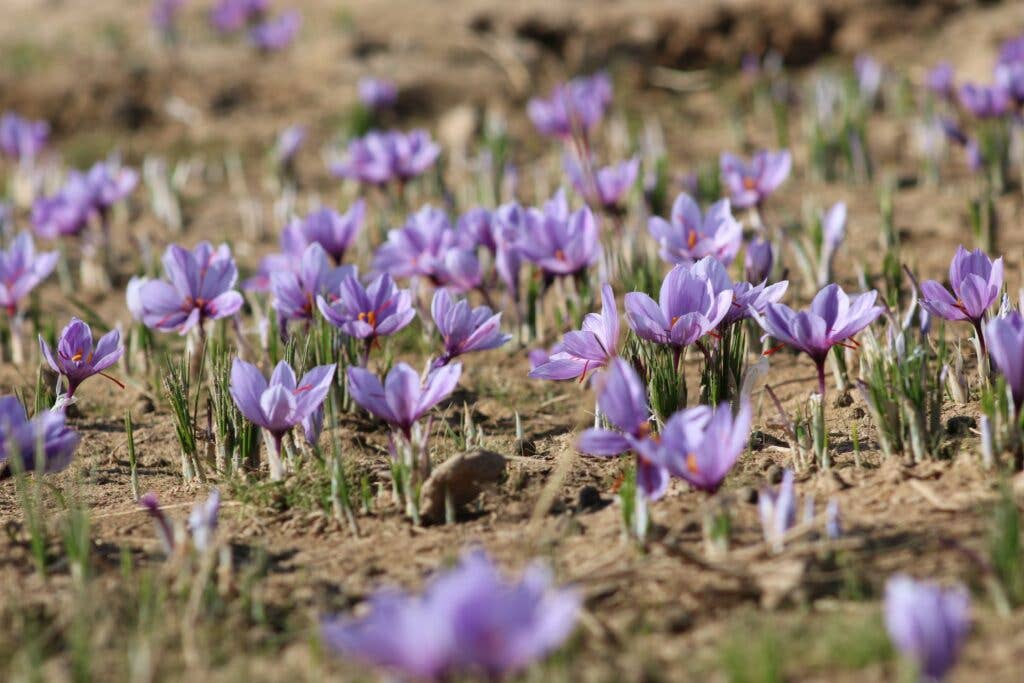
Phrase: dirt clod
(459,479)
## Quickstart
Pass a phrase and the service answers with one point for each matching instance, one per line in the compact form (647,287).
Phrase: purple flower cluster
(427,246)
(379,158)
(83,196)
(276,33)
(228,16)
(295,292)
(44,442)
(21,270)
(572,108)
(750,184)
(22,139)
(468,621)
(691,236)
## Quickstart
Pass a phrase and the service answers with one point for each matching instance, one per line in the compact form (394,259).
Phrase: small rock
(588,498)
(524,447)
(143,405)
(747,494)
(457,127)
(960,425)
(460,479)
(759,440)
(774,474)
(843,400)
(858,413)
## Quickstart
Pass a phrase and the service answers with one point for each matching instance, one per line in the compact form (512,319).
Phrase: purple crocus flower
(750,184)
(202,521)
(289,141)
(468,621)
(427,246)
(778,511)
(940,80)
(401,399)
(1010,78)
(572,108)
(109,183)
(76,359)
(164,15)
(199,287)
(379,310)
(559,242)
(45,435)
(379,158)
(277,33)
(377,93)
(464,329)
(759,260)
(476,228)
(927,623)
(688,308)
(295,292)
(604,187)
(833,318)
(700,445)
(65,213)
(984,101)
(588,349)
(281,404)
(21,269)
(227,16)
(691,236)
(622,398)
(22,139)
(333,231)
(833,232)
(747,299)
(1005,339)
(975,280)
(869,76)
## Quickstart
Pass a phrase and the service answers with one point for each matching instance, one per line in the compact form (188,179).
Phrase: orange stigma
(691,240)
(559,254)
(369,317)
(691,462)
(749,183)
(77,357)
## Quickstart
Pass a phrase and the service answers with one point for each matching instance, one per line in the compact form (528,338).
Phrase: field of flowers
(602,342)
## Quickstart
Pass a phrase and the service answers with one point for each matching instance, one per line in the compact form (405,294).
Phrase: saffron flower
(470,621)
(1005,338)
(476,228)
(590,348)
(164,16)
(688,307)
(869,76)
(228,16)
(367,313)
(622,399)
(572,108)
(379,158)
(464,329)
(401,400)
(333,231)
(759,260)
(833,318)
(927,623)
(701,445)
(747,299)
(604,187)
(289,141)
(22,139)
(199,287)
(940,80)
(984,101)
(45,436)
(202,522)
(750,184)
(691,236)
(108,183)
(778,511)
(295,292)
(277,33)
(76,359)
(975,280)
(65,213)
(279,405)
(377,93)
(21,269)
(559,242)
(427,246)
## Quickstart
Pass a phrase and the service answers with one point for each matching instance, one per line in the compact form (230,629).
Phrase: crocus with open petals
(402,399)
(975,280)
(367,313)
(199,287)
(228,16)
(276,33)
(1005,339)
(280,404)
(21,269)
(688,307)
(604,187)
(470,621)
(378,158)
(76,359)
(560,242)
(333,231)
(759,260)
(464,329)
(747,299)
(377,93)
(427,246)
(701,445)
(572,108)
(691,236)
(587,349)
(927,623)
(622,398)
(833,318)
(295,292)
(45,436)
(750,184)
(984,101)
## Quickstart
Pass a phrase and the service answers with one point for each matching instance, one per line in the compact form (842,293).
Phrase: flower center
(369,317)
(749,183)
(691,463)
(691,240)
(560,255)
